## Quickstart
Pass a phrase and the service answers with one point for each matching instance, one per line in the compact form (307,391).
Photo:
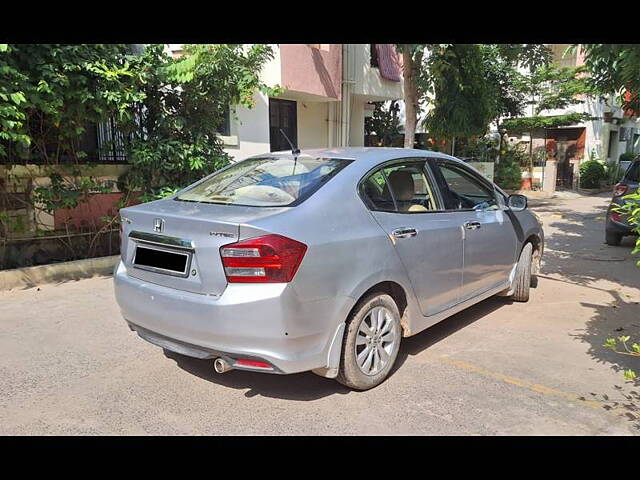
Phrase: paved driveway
(69,364)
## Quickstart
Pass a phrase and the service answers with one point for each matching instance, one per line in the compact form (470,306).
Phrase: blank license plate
(161,261)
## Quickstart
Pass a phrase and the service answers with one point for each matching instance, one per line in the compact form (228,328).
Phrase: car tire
(522,280)
(380,316)
(612,238)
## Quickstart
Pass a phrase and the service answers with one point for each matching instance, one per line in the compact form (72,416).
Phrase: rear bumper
(618,227)
(262,321)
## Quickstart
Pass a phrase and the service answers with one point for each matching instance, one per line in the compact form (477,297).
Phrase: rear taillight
(267,259)
(620,189)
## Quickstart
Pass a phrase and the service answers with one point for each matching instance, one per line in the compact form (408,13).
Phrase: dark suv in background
(617,226)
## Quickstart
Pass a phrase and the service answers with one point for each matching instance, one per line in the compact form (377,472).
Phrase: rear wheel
(522,281)
(371,342)
(612,238)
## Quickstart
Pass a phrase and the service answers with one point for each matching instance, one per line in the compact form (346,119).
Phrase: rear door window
(266,182)
(400,187)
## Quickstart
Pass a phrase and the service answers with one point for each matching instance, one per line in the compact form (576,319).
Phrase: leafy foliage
(167,109)
(527,124)
(614,69)
(623,349)
(173,140)
(552,87)
(614,172)
(52,92)
(165,114)
(502,71)
(508,172)
(469,86)
(462,104)
(592,173)
(384,123)
(631,209)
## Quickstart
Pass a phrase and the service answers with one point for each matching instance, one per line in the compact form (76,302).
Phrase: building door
(566,151)
(282,115)
(569,149)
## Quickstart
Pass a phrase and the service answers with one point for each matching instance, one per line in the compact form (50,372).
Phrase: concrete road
(70,365)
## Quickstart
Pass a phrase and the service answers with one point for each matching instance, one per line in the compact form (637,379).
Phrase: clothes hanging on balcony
(389,62)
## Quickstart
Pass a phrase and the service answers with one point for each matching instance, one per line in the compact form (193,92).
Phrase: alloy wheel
(375,341)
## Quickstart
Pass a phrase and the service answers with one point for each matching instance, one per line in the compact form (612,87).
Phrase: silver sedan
(321,261)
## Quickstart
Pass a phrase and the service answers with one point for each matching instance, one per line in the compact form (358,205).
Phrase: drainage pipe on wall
(348,68)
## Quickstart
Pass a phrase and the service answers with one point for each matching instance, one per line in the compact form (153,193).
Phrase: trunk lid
(192,232)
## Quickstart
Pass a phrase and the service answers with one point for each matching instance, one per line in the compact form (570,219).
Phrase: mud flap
(333,357)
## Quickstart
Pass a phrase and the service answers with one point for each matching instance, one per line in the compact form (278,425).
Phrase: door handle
(472,225)
(404,232)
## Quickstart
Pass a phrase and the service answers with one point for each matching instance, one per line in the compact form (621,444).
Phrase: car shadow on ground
(416,344)
(308,386)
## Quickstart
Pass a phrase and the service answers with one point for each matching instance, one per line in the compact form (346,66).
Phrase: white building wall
(356,125)
(249,129)
(313,124)
(368,81)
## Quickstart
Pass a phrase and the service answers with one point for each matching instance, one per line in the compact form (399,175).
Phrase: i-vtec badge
(158,225)
(222,234)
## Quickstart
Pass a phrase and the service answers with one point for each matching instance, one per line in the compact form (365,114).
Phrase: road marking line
(534,387)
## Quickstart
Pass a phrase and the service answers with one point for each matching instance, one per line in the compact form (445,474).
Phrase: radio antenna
(295,151)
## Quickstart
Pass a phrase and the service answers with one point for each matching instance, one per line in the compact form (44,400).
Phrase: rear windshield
(266,182)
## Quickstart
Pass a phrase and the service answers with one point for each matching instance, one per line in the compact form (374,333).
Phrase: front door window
(489,236)
(463,192)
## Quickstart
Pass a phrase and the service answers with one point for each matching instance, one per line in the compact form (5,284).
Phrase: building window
(613,147)
(225,128)
(374,55)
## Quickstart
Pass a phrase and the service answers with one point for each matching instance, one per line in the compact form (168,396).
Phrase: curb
(594,191)
(30,277)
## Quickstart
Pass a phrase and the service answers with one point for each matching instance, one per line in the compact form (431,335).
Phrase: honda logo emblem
(158,225)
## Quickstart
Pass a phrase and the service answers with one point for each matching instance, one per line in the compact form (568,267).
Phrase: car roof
(369,155)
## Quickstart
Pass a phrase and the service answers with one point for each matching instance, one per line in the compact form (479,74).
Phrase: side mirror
(517,203)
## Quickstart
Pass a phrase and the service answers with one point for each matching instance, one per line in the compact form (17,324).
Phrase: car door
(489,238)
(403,199)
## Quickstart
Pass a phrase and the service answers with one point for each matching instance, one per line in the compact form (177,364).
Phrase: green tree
(51,93)
(415,82)
(468,87)
(548,87)
(615,69)
(166,111)
(173,139)
(384,123)
(462,98)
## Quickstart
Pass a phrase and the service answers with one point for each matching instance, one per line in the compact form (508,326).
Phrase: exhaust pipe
(220,365)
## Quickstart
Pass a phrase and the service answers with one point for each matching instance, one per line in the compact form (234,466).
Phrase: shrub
(627,157)
(614,172)
(508,173)
(592,173)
